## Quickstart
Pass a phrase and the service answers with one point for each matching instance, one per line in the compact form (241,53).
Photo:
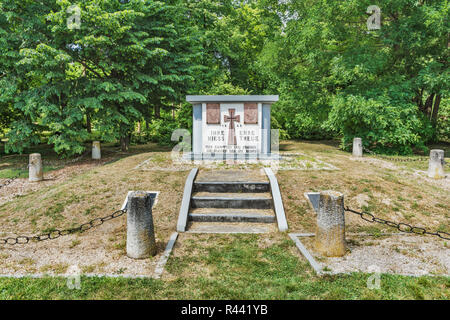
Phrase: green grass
(238,269)
(219,267)
(21,173)
(12,173)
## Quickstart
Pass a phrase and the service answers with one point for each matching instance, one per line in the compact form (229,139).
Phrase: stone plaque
(213,113)
(231,127)
(231,135)
(251,113)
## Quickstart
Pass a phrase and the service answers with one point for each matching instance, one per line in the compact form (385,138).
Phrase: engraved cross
(232,141)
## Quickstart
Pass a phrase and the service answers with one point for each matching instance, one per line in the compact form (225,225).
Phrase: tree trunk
(429,104)
(419,99)
(434,115)
(88,123)
(125,143)
(157,111)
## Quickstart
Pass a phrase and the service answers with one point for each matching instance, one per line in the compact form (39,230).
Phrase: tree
(21,25)
(337,77)
(122,58)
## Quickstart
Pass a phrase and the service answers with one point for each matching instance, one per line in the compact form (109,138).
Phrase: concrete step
(231,200)
(239,215)
(232,175)
(227,186)
(223,227)
(266,212)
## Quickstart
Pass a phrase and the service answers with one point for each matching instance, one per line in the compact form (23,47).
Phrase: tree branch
(90,69)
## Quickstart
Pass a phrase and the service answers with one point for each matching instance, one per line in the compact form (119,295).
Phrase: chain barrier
(59,233)
(44,163)
(64,163)
(394,158)
(402,227)
(11,180)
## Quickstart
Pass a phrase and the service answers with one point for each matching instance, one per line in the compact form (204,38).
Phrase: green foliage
(161,131)
(443,123)
(132,61)
(326,60)
(123,58)
(385,128)
(222,87)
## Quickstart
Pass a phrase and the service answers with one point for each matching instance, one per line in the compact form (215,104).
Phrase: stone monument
(231,127)
(35,168)
(436,164)
(330,230)
(96,150)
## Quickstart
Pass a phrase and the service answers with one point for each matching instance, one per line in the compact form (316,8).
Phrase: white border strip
(163,260)
(184,209)
(310,202)
(63,275)
(125,202)
(304,251)
(277,200)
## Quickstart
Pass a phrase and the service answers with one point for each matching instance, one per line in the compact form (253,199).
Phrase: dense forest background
(122,74)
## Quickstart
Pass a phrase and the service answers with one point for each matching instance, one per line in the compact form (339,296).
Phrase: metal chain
(403,227)
(44,163)
(11,180)
(58,233)
(57,163)
(393,158)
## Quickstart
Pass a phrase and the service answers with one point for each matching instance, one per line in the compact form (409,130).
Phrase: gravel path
(397,254)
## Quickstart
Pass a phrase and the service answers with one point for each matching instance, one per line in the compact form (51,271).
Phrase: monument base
(230,156)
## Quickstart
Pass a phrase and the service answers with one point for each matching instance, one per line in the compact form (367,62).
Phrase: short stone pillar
(330,230)
(96,151)
(141,243)
(357,147)
(35,169)
(436,164)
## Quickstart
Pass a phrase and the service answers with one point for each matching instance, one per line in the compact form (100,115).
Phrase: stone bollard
(35,171)
(141,242)
(357,147)
(330,230)
(436,164)
(96,151)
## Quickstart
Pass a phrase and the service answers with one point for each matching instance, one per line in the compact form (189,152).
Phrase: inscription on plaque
(228,127)
(213,113)
(251,113)
(231,135)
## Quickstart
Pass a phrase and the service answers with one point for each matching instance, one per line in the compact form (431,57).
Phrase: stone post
(35,170)
(141,242)
(357,147)
(436,164)
(330,230)
(96,151)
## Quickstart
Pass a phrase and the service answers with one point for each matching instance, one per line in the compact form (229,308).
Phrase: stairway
(231,202)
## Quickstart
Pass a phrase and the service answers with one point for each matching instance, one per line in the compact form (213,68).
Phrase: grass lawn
(237,268)
(209,266)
